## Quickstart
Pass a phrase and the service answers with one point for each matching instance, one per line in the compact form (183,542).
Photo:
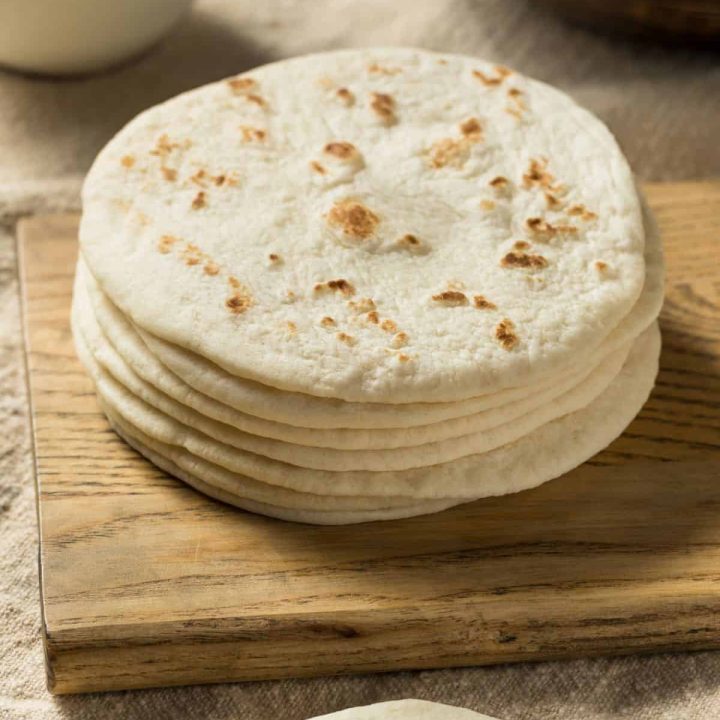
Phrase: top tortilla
(383,225)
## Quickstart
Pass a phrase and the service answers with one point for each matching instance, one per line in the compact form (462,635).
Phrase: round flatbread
(386,226)
(405,710)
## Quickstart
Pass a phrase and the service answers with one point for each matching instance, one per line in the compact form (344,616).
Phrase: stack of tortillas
(367,285)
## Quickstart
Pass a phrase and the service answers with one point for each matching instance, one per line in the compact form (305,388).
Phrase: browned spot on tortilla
(164,146)
(317,167)
(388,326)
(383,105)
(373,317)
(192,254)
(353,218)
(403,358)
(400,340)
(234,282)
(345,96)
(199,177)
(375,69)
(362,305)
(487,205)
(501,72)
(274,258)
(327,321)
(601,266)
(340,285)
(344,337)
(199,201)
(523,260)
(582,211)
(127,161)
(252,134)
(521,245)
(291,326)
(256,99)
(543,229)
(451,298)
(241,85)
(165,244)
(505,333)
(449,152)
(341,150)
(170,174)
(482,303)
(211,268)
(552,202)
(471,129)
(537,175)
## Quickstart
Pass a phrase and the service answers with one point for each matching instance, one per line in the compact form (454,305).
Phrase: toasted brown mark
(211,268)
(544,229)
(251,134)
(505,334)
(487,205)
(345,96)
(388,326)
(233,282)
(192,254)
(344,337)
(582,211)
(169,174)
(403,358)
(471,129)
(501,72)
(500,186)
(523,260)
(537,175)
(239,301)
(164,146)
(256,99)
(199,178)
(165,244)
(291,326)
(274,258)
(354,218)
(199,201)
(373,317)
(552,201)
(517,103)
(601,266)
(383,106)
(482,303)
(521,245)
(341,150)
(451,298)
(327,321)
(362,305)
(127,161)
(241,85)
(400,340)
(317,167)
(449,152)
(409,240)
(340,285)
(375,69)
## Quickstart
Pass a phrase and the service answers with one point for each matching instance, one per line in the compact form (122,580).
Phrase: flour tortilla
(325,413)
(240,487)
(405,710)
(507,428)
(120,350)
(538,456)
(231,174)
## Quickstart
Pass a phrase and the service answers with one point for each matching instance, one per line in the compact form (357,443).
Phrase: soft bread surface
(386,226)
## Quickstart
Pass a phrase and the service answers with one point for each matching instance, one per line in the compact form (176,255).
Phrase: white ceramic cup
(67,37)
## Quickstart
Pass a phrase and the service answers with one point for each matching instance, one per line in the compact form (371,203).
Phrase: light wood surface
(145,582)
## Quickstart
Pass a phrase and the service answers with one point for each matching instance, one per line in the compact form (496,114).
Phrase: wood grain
(145,582)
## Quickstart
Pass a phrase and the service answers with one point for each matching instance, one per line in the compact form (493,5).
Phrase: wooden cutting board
(145,582)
